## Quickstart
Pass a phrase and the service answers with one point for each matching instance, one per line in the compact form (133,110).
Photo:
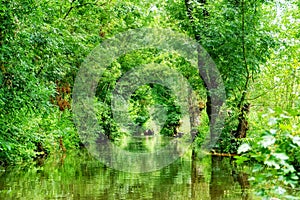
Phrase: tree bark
(201,64)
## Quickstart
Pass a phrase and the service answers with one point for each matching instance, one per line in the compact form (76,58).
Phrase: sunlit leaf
(272,121)
(296,140)
(273,131)
(267,141)
(284,116)
(281,156)
(272,163)
(280,190)
(244,148)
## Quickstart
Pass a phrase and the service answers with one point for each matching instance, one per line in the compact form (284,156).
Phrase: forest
(221,78)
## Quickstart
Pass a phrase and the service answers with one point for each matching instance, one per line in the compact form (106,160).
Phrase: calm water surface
(77,175)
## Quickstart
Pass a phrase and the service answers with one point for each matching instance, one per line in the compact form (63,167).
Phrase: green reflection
(77,175)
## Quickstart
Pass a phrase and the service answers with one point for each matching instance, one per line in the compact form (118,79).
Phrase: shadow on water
(76,175)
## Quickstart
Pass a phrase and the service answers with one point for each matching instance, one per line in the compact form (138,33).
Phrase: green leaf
(296,140)
(294,177)
(267,141)
(272,121)
(241,159)
(272,163)
(281,156)
(244,148)
(284,116)
(280,190)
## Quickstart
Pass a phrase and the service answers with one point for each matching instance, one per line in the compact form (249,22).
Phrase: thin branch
(69,9)
(264,93)
(190,16)
(84,4)
(244,92)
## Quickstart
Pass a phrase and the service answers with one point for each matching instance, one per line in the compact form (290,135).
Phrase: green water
(77,175)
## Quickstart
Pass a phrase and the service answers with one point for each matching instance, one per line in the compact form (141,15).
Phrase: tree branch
(81,5)
(244,92)
(70,9)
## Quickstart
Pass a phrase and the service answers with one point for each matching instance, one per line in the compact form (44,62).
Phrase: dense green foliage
(255,45)
(273,139)
(275,151)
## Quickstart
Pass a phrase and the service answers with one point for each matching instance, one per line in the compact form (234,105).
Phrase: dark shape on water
(178,135)
(148,132)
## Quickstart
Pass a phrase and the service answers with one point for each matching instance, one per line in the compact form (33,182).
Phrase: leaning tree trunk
(189,8)
(194,111)
(242,128)
(243,106)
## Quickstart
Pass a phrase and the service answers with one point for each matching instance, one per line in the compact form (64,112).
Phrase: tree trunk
(201,62)
(194,111)
(242,128)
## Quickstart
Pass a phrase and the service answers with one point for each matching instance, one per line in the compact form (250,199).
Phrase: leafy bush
(275,152)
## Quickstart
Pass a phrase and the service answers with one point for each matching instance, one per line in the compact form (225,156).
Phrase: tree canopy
(254,44)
